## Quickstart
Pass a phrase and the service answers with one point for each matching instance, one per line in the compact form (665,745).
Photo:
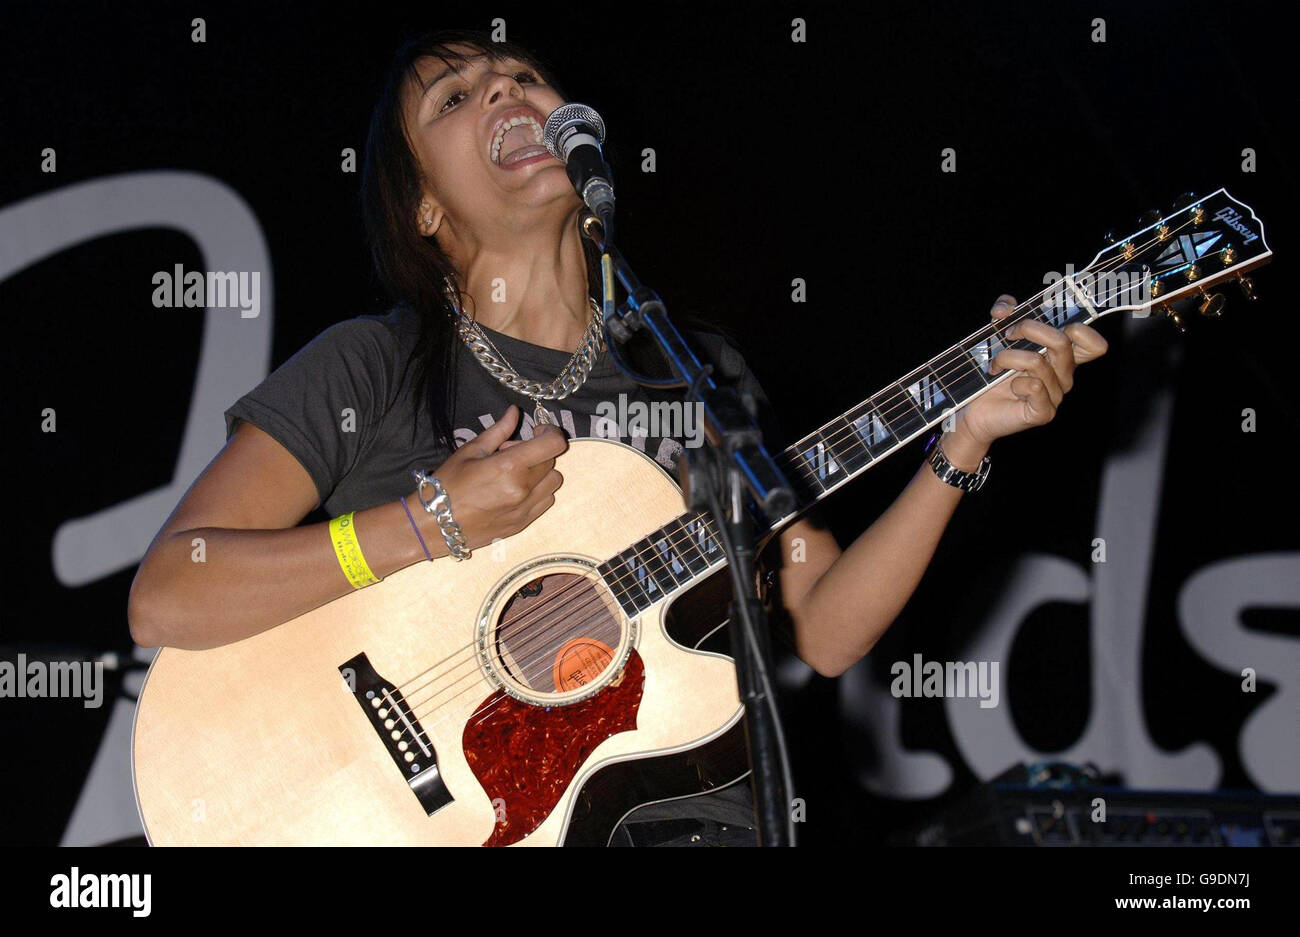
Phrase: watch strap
(949,474)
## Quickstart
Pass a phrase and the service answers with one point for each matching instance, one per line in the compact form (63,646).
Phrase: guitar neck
(687,549)
(848,445)
(1169,262)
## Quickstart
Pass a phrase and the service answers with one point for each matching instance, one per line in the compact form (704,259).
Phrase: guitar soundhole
(558,633)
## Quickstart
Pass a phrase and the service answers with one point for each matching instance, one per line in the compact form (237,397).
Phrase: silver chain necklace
(571,377)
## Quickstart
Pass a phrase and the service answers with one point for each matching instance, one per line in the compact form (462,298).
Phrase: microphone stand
(716,477)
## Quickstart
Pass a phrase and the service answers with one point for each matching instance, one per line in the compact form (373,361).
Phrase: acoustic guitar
(539,691)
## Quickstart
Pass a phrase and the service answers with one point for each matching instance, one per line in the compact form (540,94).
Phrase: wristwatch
(949,473)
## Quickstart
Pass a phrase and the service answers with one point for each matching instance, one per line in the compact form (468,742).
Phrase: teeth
(505,126)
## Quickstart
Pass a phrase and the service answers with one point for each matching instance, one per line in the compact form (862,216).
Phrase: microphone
(573,135)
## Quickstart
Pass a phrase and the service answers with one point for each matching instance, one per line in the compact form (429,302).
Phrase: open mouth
(517,139)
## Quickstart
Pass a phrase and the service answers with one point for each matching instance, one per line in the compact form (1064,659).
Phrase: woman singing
(474,233)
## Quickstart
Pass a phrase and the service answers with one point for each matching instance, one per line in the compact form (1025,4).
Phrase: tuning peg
(1184,200)
(1148,218)
(1109,238)
(1174,316)
(1247,285)
(1212,304)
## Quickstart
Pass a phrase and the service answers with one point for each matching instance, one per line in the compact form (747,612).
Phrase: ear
(428,218)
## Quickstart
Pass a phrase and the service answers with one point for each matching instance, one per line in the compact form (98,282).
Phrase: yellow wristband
(343,534)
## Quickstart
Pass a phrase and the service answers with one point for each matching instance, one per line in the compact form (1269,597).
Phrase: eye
(520,76)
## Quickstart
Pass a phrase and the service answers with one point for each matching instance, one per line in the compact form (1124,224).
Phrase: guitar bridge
(399,732)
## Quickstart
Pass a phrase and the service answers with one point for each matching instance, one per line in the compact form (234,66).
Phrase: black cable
(740,591)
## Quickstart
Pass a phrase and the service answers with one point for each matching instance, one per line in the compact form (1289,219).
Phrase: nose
(499,86)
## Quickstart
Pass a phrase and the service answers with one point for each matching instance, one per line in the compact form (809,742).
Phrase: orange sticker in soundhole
(579,662)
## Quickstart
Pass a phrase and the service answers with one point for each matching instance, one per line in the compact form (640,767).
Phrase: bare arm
(841,602)
(251,567)
(258,569)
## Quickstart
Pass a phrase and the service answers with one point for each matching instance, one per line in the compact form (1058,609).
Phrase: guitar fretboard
(687,548)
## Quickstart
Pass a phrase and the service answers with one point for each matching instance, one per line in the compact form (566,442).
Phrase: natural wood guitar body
(262,741)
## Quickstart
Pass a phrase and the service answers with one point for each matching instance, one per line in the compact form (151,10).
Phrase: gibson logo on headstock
(1233,220)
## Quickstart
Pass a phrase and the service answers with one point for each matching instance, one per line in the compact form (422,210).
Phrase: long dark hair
(413,269)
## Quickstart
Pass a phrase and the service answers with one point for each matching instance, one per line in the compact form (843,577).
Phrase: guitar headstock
(1171,263)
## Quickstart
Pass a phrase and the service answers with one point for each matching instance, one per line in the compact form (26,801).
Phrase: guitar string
(494,702)
(962,348)
(513,628)
(476,676)
(594,601)
(1029,305)
(516,626)
(548,608)
(670,538)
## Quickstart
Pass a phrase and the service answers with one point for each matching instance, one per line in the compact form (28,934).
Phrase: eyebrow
(459,69)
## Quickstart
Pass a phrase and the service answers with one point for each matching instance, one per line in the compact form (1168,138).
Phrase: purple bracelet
(419,536)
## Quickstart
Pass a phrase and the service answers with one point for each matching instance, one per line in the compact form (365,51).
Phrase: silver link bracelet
(440,508)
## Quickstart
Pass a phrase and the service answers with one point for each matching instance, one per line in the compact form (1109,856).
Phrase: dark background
(776,160)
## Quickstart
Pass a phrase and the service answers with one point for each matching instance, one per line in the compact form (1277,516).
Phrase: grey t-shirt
(338,407)
(343,406)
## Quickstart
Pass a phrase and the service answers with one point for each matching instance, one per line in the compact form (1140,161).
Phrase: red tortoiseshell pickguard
(527,755)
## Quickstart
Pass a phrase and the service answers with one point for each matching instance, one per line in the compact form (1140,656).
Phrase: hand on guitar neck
(1032,396)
